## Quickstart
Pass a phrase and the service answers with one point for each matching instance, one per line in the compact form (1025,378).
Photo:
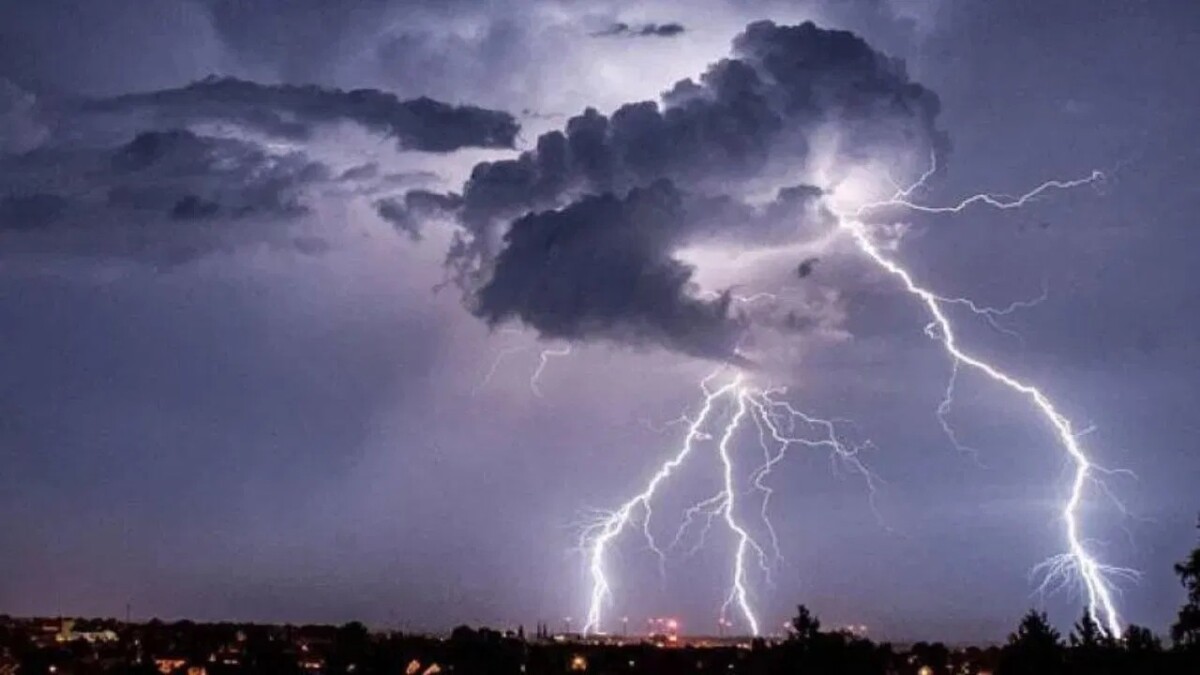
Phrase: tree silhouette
(1034,649)
(810,650)
(1186,631)
(1092,651)
(353,645)
(1141,640)
(935,656)
(805,625)
(1087,634)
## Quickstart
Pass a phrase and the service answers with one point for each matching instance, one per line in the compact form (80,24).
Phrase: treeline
(1035,647)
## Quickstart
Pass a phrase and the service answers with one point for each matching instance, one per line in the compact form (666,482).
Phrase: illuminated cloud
(749,122)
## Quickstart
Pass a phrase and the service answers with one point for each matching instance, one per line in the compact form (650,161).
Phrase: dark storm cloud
(125,175)
(602,267)
(148,195)
(807,266)
(418,205)
(745,119)
(198,175)
(294,111)
(605,267)
(621,28)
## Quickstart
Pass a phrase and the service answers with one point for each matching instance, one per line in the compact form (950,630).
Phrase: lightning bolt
(775,415)
(534,378)
(989,314)
(491,373)
(543,361)
(943,410)
(1078,561)
(737,591)
(902,196)
(597,537)
(781,426)
(778,424)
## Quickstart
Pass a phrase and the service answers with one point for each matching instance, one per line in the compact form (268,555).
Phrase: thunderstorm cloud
(215,325)
(602,267)
(562,239)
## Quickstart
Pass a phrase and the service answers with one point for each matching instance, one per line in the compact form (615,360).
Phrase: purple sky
(227,390)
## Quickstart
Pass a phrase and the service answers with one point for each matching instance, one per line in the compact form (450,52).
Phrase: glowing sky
(227,390)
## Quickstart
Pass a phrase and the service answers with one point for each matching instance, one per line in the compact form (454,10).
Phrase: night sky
(258,261)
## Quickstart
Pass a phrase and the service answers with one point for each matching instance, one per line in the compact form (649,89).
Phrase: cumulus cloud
(751,120)
(748,117)
(605,266)
(291,111)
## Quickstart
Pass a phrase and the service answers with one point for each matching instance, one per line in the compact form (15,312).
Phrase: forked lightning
(1096,577)
(780,426)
